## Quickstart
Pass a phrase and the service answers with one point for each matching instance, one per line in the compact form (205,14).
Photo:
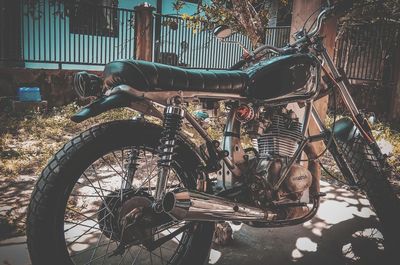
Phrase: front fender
(345,129)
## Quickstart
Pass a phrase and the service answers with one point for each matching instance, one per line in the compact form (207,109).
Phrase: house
(72,33)
(86,34)
(44,42)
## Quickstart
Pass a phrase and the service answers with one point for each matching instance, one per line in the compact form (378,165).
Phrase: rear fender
(119,99)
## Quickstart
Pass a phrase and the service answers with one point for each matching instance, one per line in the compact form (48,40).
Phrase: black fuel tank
(279,76)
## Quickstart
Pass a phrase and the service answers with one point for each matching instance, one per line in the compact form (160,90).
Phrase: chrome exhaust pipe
(198,206)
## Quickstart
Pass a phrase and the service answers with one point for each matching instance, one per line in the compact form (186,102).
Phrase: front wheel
(371,178)
(75,212)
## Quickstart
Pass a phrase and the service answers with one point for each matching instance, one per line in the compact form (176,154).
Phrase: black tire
(373,180)
(45,220)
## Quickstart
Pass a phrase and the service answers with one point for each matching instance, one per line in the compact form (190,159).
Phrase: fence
(368,52)
(76,33)
(277,36)
(188,44)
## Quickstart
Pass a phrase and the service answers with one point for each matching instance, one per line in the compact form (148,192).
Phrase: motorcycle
(133,191)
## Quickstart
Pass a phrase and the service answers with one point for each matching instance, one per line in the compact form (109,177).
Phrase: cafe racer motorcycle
(137,192)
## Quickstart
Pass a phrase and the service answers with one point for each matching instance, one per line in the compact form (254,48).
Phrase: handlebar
(277,50)
(316,29)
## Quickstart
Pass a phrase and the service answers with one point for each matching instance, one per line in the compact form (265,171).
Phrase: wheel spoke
(101,197)
(98,198)
(97,245)
(137,255)
(108,247)
(83,225)
(86,250)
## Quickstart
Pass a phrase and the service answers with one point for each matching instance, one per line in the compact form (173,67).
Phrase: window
(88,17)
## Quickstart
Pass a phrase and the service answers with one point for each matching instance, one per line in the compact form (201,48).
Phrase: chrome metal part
(281,138)
(183,204)
(344,92)
(298,180)
(192,205)
(161,97)
(231,144)
(173,116)
(285,170)
(318,121)
(307,116)
(192,120)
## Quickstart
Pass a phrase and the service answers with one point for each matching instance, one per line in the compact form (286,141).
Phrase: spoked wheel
(92,204)
(93,225)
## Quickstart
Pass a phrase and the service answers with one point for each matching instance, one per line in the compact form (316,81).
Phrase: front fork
(341,81)
(360,121)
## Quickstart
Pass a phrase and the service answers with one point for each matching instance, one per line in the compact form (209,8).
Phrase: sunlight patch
(305,244)
(296,254)
(317,231)
(368,234)
(348,252)
(215,255)
(234,227)
(334,212)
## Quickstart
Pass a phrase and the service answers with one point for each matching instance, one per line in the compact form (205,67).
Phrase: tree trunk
(302,9)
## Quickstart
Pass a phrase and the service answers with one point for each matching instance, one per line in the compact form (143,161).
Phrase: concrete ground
(344,231)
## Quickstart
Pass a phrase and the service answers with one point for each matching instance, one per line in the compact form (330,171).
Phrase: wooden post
(144,32)
(302,9)
(10,33)
(157,32)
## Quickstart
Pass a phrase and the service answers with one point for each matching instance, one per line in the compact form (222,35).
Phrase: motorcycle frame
(229,173)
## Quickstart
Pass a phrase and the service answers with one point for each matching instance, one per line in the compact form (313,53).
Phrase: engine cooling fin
(280,138)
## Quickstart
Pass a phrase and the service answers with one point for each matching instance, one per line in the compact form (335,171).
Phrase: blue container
(29,94)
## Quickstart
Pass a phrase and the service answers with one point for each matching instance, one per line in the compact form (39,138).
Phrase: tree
(247,17)
(367,11)
(370,11)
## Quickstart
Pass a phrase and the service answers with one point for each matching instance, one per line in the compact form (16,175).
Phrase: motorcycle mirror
(222,32)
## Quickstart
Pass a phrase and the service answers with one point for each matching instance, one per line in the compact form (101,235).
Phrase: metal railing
(75,32)
(52,32)
(193,45)
(277,36)
(368,52)
(185,43)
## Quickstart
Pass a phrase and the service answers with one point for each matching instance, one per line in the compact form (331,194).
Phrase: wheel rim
(89,242)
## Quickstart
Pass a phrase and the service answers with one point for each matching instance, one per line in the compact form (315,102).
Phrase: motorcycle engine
(278,134)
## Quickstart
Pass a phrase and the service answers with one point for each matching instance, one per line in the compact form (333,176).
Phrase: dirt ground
(344,231)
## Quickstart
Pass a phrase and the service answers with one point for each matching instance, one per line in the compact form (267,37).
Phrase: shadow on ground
(344,231)
(14,199)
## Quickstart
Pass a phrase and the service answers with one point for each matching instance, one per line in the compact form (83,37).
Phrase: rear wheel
(75,213)
(372,179)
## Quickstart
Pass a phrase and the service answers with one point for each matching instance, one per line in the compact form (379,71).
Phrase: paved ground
(343,232)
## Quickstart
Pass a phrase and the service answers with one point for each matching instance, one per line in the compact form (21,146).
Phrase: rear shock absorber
(173,117)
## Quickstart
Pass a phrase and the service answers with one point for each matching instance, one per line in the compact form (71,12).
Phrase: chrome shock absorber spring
(173,117)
